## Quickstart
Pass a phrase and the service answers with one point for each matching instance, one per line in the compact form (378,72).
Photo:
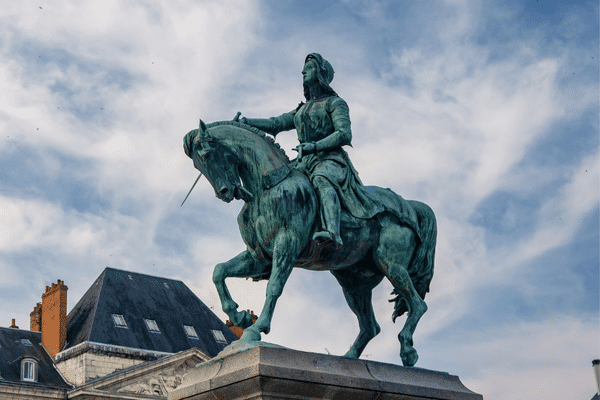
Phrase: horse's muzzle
(225,194)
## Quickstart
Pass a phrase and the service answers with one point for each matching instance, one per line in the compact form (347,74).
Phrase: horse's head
(215,161)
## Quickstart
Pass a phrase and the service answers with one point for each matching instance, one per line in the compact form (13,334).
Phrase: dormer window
(119,321)
(152,325)
(29,370)
(190,332)
(219,337)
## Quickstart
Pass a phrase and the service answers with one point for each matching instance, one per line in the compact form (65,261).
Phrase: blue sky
(487,111)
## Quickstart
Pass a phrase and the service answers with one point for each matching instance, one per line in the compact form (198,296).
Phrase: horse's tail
(420,268)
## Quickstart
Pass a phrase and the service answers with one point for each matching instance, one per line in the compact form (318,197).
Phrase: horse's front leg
(285,253)
(241,266)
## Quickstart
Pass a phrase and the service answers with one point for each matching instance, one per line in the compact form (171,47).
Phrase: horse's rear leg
(241,266)
(357,290)
(393,255)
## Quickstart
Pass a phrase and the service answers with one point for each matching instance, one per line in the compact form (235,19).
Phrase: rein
(269,179)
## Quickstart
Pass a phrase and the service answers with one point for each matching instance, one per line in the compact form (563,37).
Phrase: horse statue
(277,222)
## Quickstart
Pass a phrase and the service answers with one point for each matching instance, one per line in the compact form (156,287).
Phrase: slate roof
(137,297)
(13,350)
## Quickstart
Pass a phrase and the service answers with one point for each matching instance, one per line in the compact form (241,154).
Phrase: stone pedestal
(278,373)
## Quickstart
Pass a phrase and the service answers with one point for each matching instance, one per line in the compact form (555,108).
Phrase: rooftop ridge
(20,329)
(142,274)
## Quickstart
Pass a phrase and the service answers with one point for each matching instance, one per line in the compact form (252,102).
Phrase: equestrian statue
(314,213)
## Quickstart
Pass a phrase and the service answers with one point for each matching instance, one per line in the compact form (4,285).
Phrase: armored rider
(323,127)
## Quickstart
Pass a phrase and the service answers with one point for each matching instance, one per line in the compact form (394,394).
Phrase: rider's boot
(330,212)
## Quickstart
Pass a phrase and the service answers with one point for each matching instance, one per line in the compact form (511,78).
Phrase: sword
(194,185)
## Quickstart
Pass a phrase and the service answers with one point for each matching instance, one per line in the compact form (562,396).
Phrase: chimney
(596,366)
(13,325)
(35,318)
(54,317)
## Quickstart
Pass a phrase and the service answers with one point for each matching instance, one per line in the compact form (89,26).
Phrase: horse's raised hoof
(243,319)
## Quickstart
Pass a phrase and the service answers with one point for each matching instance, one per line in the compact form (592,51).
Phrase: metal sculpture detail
(314,213)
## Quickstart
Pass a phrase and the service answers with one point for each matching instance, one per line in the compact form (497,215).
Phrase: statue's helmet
(325,68)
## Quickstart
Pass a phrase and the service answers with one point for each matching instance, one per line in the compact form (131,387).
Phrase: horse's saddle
(272,178)
(385,199)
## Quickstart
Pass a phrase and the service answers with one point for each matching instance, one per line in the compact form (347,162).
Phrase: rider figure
(323,127)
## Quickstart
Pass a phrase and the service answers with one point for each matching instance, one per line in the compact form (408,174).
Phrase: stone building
(131,334)
(26,369)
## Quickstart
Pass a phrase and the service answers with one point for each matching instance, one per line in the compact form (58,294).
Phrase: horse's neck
(258,157)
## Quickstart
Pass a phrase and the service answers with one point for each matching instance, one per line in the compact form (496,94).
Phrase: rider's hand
(242,120)
(309,148)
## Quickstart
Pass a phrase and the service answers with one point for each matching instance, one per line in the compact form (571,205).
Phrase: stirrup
(326,236)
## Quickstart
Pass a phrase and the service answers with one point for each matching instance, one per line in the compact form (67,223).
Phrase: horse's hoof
(244,319)
(230,307)
(352,353)
(409,357)
(250,335)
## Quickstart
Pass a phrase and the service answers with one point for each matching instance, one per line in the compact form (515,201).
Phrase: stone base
(278,373)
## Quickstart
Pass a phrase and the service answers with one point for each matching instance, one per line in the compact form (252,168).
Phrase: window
(190,332)
(28,370)
(152,325)
(26,342)
(219,337)
(119,321)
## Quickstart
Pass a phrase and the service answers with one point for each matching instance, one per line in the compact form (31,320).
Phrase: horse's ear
(202,127)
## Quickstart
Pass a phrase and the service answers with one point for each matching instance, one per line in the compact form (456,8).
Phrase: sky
(487,111)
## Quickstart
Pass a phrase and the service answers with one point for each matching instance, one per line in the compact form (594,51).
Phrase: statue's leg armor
(330,210)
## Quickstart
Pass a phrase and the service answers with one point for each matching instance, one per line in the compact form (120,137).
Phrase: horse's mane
(254,130)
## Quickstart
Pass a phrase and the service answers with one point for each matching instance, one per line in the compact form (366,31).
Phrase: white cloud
(543,360)
(561,216)
(447,127)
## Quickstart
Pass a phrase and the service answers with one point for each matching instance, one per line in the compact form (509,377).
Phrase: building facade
(130,335)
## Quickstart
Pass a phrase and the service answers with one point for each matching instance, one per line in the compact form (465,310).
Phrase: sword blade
(193,186)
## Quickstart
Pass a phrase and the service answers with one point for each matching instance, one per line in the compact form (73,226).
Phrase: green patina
(315,213)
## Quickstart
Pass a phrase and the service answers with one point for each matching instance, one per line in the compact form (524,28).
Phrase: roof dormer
(29,369)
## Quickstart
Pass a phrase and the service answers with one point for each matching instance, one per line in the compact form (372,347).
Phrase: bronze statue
(363,234)
(323,126)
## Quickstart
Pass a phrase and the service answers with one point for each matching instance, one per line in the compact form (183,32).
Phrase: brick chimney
(35,318)
(54,317)
(14,325)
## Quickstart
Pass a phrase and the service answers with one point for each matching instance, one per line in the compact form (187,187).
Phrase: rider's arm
(342,135)
(272,125)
